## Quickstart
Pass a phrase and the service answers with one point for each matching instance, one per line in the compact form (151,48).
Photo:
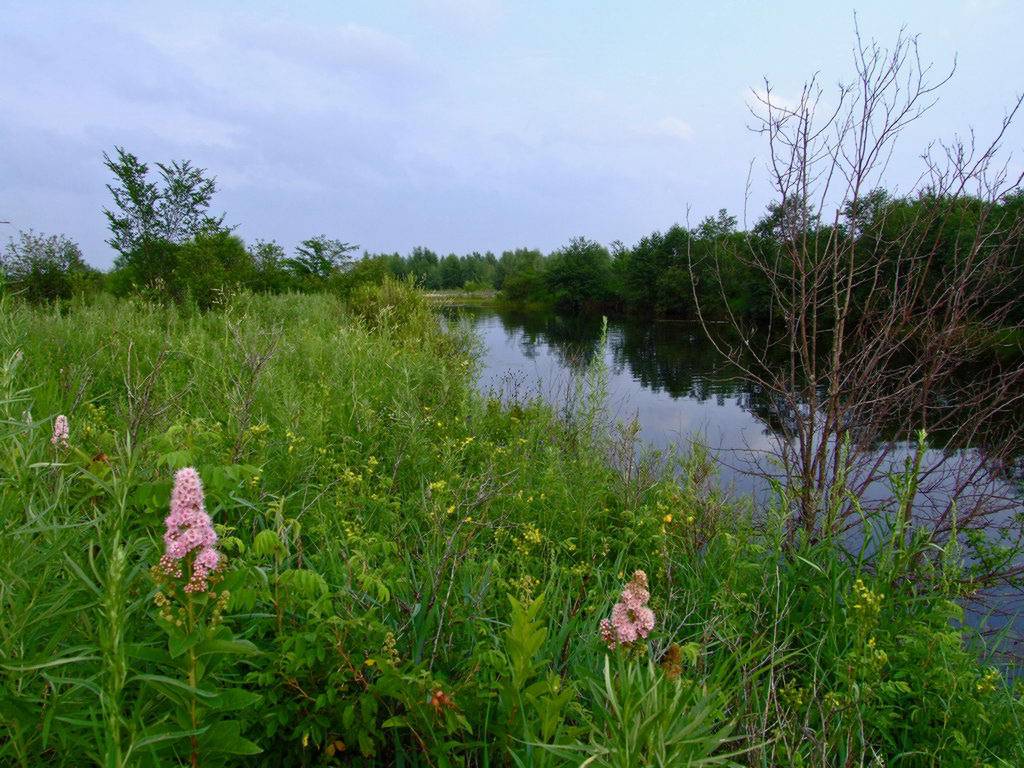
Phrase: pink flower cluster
(189,530)
(60,432)
(631,618)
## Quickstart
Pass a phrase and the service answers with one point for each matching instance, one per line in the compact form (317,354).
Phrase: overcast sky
(456,124)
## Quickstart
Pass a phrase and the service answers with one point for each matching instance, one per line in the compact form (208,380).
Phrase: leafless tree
(875,313)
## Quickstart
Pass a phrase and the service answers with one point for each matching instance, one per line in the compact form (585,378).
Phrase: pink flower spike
(189,532)
(60,432)
(631,619)
(635,593)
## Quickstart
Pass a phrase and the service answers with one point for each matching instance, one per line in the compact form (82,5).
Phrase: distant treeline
(710,266)
(170,247)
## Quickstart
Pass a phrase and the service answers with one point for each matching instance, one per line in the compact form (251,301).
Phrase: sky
(461,125)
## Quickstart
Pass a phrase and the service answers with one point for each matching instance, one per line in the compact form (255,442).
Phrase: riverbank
(417,573)
(463,298)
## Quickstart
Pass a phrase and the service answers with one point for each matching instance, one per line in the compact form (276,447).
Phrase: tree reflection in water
(666,376)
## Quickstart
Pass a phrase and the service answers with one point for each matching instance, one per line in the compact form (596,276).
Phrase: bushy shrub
(46,267)
(364,272)
(209,265)
(270,273)
(393,305)
(578,274)
(200,269)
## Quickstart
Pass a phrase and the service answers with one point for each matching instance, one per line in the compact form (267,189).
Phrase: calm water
(668,377)
(664,374)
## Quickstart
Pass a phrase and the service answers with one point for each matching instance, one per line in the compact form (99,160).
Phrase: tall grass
(417,573)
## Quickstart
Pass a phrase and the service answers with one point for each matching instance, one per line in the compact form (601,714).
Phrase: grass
(463,298)
(415,573)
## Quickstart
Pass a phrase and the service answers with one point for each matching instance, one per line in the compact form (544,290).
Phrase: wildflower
(833,700)
(525,586)
(441,701)
(60,432)
(189,532)
(793,695)
(391,649)
(631,618)
(989,681)
(867,602)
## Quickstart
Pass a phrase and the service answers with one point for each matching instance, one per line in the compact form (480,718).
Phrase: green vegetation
(171,248)
(415,575)
(713,268)
(46,268)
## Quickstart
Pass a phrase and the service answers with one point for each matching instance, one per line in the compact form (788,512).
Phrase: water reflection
(664,374)
(671,380)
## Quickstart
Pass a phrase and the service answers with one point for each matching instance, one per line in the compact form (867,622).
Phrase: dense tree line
(170,246)
(716,269)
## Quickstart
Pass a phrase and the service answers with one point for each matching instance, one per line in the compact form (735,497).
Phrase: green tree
(422,265)
(209,264)
(717,226)
(151,219)
(578,274)
(151,267)
(450,274)
(270,271)
(318,257)
(45,267)
(655,274)
(367,271)
(175,209)
(526,262)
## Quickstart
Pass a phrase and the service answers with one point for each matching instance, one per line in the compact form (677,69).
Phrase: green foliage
(174,210)
(655,274)
(533,700)
(270,273)
(643,716)
(46,267)
(392,306)
(317,258)
(369,271)
(209,265)
(201,269)
(416,572)
(172,248)
(578,274)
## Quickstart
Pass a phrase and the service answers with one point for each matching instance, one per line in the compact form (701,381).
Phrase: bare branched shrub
(142,404)
(886,312)
(254,352)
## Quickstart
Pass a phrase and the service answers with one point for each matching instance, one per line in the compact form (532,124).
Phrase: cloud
(669,128)
(984,6)
(467,15)
(266,65)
